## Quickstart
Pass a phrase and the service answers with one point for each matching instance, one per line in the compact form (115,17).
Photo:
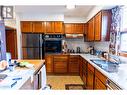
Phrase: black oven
(53,43)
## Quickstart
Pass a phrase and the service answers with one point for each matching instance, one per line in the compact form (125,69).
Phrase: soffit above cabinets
(79,11)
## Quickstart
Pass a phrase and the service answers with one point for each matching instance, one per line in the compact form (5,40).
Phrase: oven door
(53,46)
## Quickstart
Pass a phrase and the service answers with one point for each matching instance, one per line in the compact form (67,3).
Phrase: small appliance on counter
(70,51)
(91,50)
(78,50)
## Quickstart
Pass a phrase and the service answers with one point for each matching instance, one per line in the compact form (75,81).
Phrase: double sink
(108,66)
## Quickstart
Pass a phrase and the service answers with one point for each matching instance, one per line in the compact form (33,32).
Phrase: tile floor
(58,82)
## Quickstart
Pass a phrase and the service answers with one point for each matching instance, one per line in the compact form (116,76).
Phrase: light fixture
(70,6)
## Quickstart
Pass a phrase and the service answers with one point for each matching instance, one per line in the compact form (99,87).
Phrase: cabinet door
(73,64)
(58,27)
(81,67)
(38,27)
(99,85)
(26,26)
(100,80)
(84,71)
(97,23)
(49,27)
(85,29)
(90,76)
(49,63)
(60,63)
(68,28)
(90,79)
(90,36)
(79,29)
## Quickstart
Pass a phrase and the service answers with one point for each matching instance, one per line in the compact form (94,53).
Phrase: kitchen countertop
(37,64)
(119,78)
(23,72)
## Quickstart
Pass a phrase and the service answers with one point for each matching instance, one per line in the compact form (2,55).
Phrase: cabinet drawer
(73,62)
(73,68)
(60,67)
(60,58)
(90,67)
(100,76)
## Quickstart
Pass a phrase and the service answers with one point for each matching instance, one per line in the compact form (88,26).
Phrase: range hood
(74,35)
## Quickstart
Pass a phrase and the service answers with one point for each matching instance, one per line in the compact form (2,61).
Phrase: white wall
(41,17)
(18,36)
(74,20)
(93,12)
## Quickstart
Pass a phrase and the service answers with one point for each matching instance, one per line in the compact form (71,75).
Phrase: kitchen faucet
(116,58)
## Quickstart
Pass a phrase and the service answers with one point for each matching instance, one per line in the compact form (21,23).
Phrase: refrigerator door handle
(40,46)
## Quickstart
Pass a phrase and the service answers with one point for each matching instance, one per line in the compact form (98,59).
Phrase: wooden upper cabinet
(102,22)
(58,27)
(38,27)
(49,27)
(85,28)
(67,28)
(97,24)
(26,26)
(54,27)
(90,34)
(74,28)
(79,29)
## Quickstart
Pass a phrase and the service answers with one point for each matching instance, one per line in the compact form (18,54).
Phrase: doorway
(11,41)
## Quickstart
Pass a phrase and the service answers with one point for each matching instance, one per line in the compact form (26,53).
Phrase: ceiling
(79,11)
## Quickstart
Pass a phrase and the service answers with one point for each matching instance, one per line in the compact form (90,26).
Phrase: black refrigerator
(32,46)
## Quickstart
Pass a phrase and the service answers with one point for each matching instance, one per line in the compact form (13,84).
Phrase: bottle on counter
(64,47)
(92,51)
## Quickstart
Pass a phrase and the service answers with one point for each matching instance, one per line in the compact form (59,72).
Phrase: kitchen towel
(44,80)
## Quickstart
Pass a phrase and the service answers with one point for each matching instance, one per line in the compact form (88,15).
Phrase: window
(123,42)
(124,19)
(123,33)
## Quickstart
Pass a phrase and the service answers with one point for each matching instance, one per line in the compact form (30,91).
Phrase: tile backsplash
(103,46)
(74,43)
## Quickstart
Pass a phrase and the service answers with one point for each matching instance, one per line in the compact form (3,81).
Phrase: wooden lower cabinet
(100,81)
(81,67)
(84,67)
(60,63)
(90,79)
(49,63)
(74,64)
(99,85)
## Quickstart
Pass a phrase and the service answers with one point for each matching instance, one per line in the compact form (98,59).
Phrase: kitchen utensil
(78,50)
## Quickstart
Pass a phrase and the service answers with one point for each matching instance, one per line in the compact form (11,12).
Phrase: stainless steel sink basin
(108,66)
